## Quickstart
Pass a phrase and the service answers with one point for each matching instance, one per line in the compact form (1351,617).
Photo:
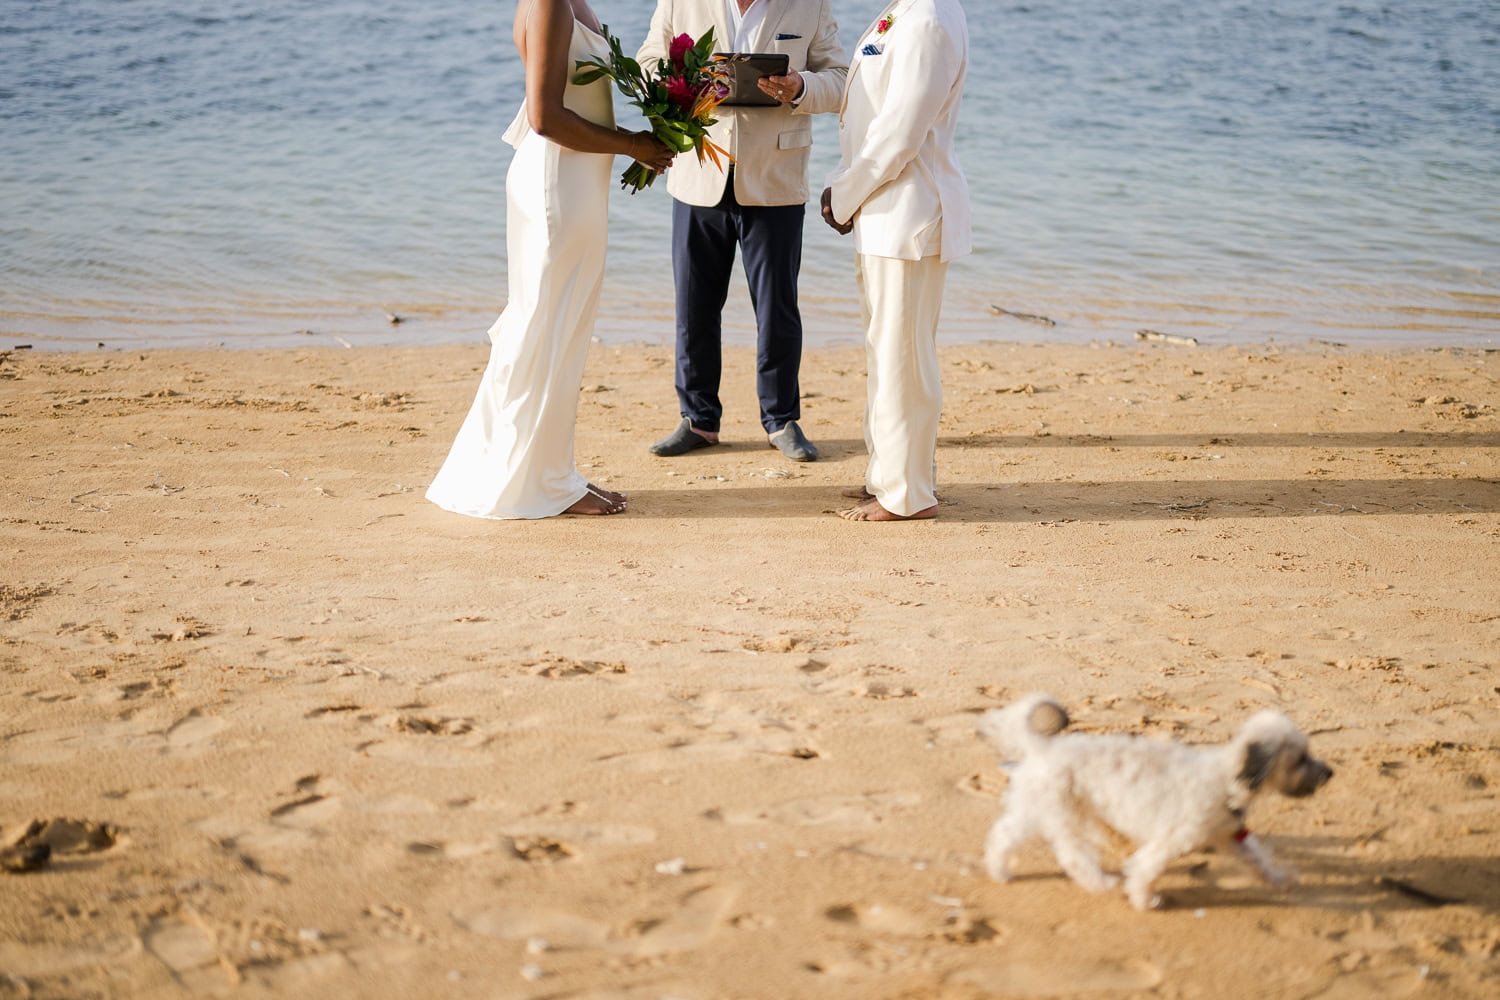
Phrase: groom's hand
(785,89)
(842,228)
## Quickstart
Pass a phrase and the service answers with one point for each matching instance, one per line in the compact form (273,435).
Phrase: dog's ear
(1259,758)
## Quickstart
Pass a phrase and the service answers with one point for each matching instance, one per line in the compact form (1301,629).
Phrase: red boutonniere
(884,24)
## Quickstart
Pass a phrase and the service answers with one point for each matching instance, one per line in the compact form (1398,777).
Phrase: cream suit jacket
(770,145)
(898,176)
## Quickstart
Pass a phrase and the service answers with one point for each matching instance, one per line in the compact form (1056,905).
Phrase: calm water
(245,171)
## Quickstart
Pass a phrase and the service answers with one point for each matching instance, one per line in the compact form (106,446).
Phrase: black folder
(745,68)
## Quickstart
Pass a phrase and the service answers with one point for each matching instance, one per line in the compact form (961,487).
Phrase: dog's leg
(1143,868)
(1011,830)
(1076,853)
(1250,850)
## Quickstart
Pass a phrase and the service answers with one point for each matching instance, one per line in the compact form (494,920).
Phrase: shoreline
(723,745)
(1008,332)
(1026,316)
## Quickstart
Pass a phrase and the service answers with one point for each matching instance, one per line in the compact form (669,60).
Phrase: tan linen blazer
(770,145)
(898,175)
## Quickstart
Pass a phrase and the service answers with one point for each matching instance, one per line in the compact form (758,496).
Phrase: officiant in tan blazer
(757,207)
(899,188)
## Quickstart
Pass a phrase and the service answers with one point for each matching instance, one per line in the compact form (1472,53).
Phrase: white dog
(1167,798)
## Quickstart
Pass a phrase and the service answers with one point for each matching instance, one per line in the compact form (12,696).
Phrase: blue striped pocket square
(785,38)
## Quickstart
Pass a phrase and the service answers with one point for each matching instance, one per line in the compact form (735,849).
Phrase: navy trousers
(703,248)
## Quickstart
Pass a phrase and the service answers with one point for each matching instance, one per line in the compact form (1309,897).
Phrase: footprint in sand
(560,666)
(289,826)
(194,730)
(426,754)
(542,850)
(544,841)
(1372,984)
(38,961)
(951,922)
(191,951)
(960,729)
(16,602)
(861,811)
(561,931)
(879,918)
(721,730)
(49,840)
(884,691)
(429,741)
(830,683)
(451,850)
(309,812)
(1060,978)
(603,834)
(985,784)
(192,734)
(422,725)
(687,928)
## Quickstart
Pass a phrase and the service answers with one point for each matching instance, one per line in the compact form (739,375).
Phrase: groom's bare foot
(870,510)
(598,501)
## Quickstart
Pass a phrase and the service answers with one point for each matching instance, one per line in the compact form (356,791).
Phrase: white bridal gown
(513,456)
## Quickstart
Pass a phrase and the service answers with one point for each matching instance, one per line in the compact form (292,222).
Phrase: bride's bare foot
(870,510)
(598,501)
(859,493)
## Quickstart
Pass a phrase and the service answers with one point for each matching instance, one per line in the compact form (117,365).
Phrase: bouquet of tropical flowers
(678,97)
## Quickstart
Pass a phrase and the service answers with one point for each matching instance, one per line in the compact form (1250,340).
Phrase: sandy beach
(292,731)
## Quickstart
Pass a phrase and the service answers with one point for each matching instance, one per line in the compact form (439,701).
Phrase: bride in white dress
(513,456)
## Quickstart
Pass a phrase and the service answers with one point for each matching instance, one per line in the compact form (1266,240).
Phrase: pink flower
(884,25)
(680,47)
(680,92)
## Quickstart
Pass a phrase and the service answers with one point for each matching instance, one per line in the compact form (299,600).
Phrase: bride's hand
(651,151)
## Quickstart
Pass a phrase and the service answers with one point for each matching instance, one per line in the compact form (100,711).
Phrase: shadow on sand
(1104,501)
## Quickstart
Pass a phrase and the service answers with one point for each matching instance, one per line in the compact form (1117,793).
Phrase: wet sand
(317,737)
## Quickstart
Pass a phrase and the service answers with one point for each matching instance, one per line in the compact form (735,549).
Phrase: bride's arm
(545,36)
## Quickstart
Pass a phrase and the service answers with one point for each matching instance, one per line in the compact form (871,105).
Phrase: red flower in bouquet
(681,46)
(678,97)
(681,92)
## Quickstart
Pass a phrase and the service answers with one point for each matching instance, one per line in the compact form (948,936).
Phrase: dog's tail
(1024,726)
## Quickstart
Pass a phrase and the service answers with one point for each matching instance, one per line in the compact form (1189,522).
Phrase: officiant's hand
(842,228)
(785,89)
(650,151)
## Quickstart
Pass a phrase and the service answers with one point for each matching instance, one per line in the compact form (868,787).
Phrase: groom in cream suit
(899,188)
(757,206)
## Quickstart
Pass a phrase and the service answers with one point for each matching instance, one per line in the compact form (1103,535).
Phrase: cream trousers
(904,395)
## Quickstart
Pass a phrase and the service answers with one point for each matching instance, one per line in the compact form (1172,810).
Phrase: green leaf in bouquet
(705,46)
(668,133)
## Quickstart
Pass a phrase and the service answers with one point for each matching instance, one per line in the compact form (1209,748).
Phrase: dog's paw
(1138,891)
